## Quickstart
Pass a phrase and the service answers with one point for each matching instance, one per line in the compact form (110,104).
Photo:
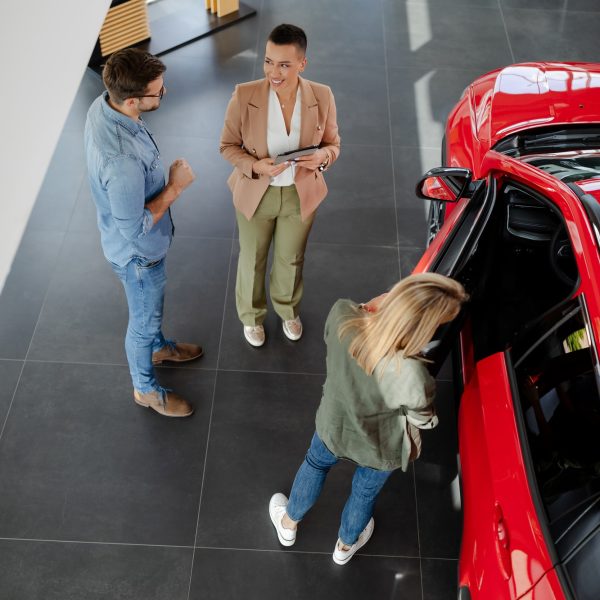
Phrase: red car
(515,216)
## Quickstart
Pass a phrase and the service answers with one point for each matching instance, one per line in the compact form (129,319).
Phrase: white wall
(44,49)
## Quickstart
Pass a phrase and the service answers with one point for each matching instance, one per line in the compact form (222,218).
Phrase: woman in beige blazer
(276,203)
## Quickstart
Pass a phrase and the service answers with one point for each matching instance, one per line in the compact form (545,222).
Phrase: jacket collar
(134,127)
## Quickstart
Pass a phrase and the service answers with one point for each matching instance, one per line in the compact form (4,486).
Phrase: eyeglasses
(160,94)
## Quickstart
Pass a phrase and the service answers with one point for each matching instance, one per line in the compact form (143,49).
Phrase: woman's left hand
(312,161)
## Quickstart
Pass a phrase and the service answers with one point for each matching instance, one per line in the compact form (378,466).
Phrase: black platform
(189,22)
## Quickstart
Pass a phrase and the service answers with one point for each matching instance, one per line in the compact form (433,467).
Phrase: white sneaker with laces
(341,557)
(292,329)
(277,506)
(255,335)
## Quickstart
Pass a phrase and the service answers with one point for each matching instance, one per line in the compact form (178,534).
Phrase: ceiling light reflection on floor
(419,26)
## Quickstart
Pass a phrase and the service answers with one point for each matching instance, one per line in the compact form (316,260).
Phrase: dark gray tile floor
(100,499)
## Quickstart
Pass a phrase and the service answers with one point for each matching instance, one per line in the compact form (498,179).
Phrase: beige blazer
(244,141)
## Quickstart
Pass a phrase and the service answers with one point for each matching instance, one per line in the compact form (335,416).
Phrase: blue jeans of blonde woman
(366,485)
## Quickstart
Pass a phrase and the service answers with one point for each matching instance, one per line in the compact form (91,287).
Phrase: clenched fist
(181,174)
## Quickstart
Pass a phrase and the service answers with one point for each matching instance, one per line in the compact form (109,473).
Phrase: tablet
(280,158)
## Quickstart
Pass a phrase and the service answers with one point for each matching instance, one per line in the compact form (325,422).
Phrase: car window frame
(451,259)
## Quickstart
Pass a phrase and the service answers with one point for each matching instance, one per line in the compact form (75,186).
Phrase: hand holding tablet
(290,156)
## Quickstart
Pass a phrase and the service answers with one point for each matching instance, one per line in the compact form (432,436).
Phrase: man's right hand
(180,177)
(181,174)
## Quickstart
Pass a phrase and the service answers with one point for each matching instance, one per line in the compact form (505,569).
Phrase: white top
(278,140)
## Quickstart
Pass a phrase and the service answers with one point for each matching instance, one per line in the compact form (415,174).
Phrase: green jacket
(373,420)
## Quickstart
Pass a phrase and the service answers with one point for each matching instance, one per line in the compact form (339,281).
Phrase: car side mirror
(446,184)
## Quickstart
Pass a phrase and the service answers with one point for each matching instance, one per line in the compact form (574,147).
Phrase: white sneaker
(293,329)
(277,506)
(341,557)
(255,335)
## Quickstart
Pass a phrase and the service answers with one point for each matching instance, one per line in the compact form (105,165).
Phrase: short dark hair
(289,34)
(128,72)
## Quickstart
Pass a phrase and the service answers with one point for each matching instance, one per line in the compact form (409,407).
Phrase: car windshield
(569,167)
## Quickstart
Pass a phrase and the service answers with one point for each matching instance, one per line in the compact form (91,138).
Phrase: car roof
(529,95)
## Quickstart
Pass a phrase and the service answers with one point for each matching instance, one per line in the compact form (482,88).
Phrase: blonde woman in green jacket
(377,395)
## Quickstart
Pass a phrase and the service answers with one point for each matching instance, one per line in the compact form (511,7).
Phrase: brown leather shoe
(172,406)
(176,353)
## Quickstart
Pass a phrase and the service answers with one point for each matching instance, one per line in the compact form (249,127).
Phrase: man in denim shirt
(133,202)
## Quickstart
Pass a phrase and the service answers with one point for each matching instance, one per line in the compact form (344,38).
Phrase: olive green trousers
(277,219)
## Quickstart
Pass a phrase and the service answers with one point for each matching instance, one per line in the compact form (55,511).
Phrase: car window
(557,377)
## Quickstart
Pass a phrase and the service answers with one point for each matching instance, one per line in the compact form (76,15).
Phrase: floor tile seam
(293,551)
(231,252)
(171,367)
(215,548)
(263,372)
(212,408)
(409,247)
(104,364)
(37,322)
(77,196)
(418,527)
(391,134)
(12,399)
(348,244)
(179,236)
(510,48)
(93,543)
(443,558)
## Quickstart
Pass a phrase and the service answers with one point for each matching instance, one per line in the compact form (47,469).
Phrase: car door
(504,554)
(456,252)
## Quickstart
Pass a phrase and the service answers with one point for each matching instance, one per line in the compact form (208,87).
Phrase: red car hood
(533,95)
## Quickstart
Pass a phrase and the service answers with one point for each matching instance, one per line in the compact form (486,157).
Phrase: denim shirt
(125,173)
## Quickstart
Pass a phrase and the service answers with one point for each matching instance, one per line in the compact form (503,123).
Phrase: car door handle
(502,540)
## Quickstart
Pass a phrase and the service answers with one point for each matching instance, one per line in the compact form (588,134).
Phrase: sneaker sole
(289,336)
(160,362)
(163,414)
(254,345)
(344,561)
(282,540)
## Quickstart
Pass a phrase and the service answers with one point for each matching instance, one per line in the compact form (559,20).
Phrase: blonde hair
(405,321)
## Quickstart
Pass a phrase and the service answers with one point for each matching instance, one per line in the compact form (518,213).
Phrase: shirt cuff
(422,421)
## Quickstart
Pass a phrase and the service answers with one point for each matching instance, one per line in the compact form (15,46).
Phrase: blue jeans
(366,485)
(144,282)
